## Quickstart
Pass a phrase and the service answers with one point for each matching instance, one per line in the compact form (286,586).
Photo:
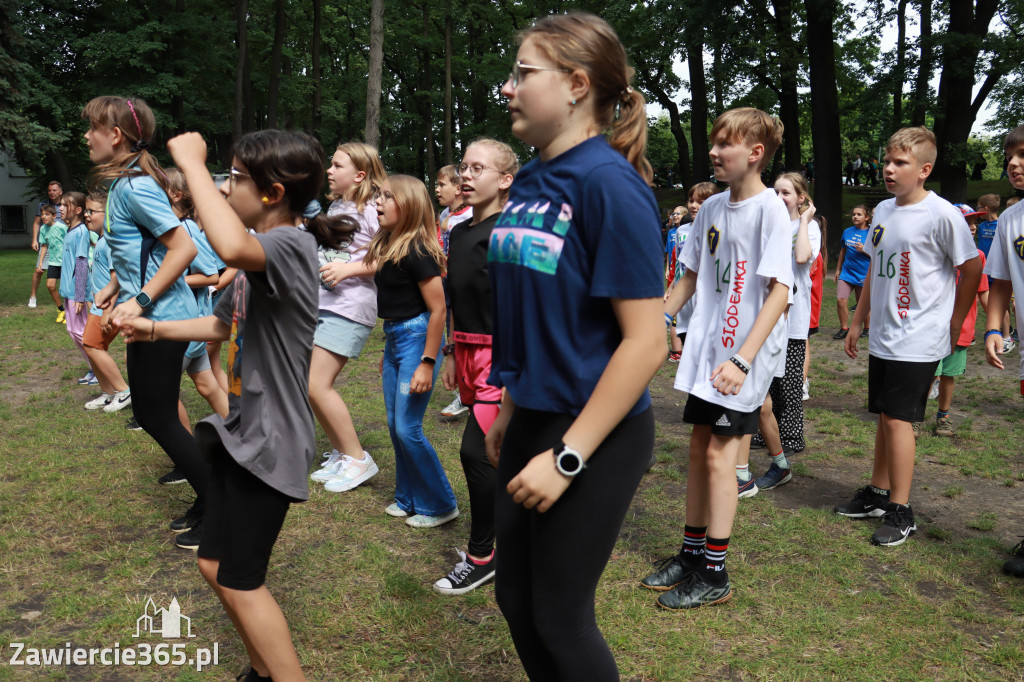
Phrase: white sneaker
(455,408)
(97,403)
(424,521)
(331,466)
(354,473)
(119,401)
(934,393)
(1008,345)
(807,389)
(32,302)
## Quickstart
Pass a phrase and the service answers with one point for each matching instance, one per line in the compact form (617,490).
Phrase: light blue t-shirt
(100,272)
(76,245)
(204,263)
(138,213)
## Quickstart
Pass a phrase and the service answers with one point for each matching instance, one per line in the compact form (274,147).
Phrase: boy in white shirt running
(737,262)
(1005,270)
(917,240)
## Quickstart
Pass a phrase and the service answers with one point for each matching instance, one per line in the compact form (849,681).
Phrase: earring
(573,102)
(266,200)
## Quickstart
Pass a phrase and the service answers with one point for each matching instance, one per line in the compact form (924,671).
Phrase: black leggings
(481,479)
(154,376)
(550,563)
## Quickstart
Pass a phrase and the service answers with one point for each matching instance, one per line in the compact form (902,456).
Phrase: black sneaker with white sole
(190,539)
(190,520)
(466,576)
(132,425)
(865,503)
(897,525)
(172,477)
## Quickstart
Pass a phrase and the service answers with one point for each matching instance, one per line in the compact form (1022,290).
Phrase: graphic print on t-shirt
(515,240)
(1018,246)
(876,234)
(338,255)
(241,289)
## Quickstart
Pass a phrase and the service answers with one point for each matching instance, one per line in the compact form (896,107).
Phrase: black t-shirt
(468,282)
(398,289)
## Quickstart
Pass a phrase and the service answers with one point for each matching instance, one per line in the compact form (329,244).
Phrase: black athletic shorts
(53,272)
(722,420)
(899,389)
(240,526)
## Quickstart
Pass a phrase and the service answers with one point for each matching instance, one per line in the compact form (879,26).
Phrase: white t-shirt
(914,252)
(683,316)
(800,312)
(736,249)
(1006,256)
(354,298)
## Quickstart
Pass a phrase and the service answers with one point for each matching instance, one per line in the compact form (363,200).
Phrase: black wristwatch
(429,360)
(143,300)
(568,461)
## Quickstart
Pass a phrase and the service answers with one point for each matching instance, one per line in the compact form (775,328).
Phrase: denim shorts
(340,335)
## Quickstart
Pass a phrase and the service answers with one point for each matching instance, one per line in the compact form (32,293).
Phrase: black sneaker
(190,520)
(133,425)
(866,503)
(465,576)
(841,334)
(694,592)
(757,442)
(1015,566)
(670,573)
(172,477)
(867,332)
(249,675)
(897,526)
(190,538)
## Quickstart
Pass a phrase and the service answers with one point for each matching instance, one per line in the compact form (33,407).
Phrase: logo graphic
(876,235)
(723,421)
(164,622)
(1018,246)
(713,235)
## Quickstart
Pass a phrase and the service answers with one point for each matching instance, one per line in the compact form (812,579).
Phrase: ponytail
(135,120)
(629,132)
(331,231)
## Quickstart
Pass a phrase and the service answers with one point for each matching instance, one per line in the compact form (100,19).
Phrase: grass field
(83,542)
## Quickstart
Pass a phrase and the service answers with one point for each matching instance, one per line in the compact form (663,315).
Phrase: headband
(141,144)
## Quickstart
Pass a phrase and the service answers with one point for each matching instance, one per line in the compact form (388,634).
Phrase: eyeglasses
(476,170)
(676,213)
(382,197)
(90,211)
(518,68)
(233,174)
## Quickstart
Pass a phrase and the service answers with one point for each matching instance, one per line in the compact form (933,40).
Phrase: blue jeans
(421,486)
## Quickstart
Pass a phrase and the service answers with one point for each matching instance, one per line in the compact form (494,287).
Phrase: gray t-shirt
(273,314)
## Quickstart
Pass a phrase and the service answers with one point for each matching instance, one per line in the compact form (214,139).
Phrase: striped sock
(714,560)
(743,472)
(693,544)
(780,460)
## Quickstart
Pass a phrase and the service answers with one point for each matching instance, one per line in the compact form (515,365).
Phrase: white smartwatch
(568,461)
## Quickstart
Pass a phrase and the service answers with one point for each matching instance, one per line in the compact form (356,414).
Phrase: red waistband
(478,339)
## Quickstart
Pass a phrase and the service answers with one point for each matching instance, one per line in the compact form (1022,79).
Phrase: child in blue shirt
(74,276)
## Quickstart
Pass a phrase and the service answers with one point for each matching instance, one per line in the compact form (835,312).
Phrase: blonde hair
(176,183)
(989,202)
(702,191)
(504,158)
(580,40)
(449,173)
(799,183)
(416,228)
(752,126)
(918,141)
(137,124)
(366,159)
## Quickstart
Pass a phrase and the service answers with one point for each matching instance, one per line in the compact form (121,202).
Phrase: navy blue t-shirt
(576,232)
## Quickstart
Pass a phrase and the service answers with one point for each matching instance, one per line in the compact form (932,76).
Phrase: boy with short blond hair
(917,241)
(1005,270)
(737,262)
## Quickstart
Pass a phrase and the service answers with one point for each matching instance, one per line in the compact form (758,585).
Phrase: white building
(17,206)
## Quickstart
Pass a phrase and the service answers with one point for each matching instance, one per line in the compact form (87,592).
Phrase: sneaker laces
(689,583)
(668,561)
(897,517)
(461,570)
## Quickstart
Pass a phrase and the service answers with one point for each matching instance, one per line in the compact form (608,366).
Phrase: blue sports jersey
(986,233)
(855,264)
(138,213)
(205,263)
(76,245)
(100,272)
(577,231)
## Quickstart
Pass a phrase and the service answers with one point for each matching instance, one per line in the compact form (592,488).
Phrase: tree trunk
(273,95)
(789,102)
(682,147)
(901,64)
(427,105)
(828,161)
(924,69)
(716,79)
(373,86)
(448,88)
(953,119)
(241,67)
(698,104)
(315,71)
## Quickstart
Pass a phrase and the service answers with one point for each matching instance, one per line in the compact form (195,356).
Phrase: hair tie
(140,146)
(312,210)
(137,124)
(626,93)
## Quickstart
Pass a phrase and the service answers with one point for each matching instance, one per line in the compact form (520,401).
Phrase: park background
(82,538)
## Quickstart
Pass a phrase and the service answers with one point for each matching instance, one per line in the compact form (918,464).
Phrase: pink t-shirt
(354,298)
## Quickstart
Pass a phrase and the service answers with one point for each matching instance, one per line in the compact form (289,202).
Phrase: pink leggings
(76,324)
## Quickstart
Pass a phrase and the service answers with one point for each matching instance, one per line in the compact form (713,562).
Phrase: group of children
(551,342)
